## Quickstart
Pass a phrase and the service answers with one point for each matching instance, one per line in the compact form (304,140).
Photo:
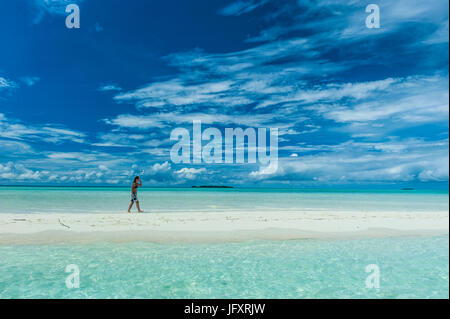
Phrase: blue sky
(96,105)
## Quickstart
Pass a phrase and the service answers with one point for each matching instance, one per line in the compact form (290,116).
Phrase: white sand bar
(216,227)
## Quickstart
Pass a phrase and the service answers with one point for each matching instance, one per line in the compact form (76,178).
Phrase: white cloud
(109,87)
(7,84)
(240,7)
(76,156)
(30,80)
(294,83)
(19,172)
(412,100)
(162,120)
(174,92)
(12,148)
(14,129)
(190,173)
(161,167)
(52,7)
(353,162)
(441,35)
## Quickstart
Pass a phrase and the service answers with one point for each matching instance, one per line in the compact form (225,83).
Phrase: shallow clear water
(107,200)
(409,268)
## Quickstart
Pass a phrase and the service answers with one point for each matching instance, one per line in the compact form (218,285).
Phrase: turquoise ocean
(166,200)
(409,267)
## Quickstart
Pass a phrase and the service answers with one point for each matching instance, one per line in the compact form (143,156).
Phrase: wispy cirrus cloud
(411,101)
(306,79)
(347,19)
(162,120)
(15,130)
(355,162)
(14,148)
(231,82)
(30,80)
(237,8)
(7,84)
(352,104)
(52,7)
(109,87)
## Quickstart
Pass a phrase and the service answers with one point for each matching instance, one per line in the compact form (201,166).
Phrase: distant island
(407,189)
(211,186)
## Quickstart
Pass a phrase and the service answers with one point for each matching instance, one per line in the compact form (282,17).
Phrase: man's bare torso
(134,188)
